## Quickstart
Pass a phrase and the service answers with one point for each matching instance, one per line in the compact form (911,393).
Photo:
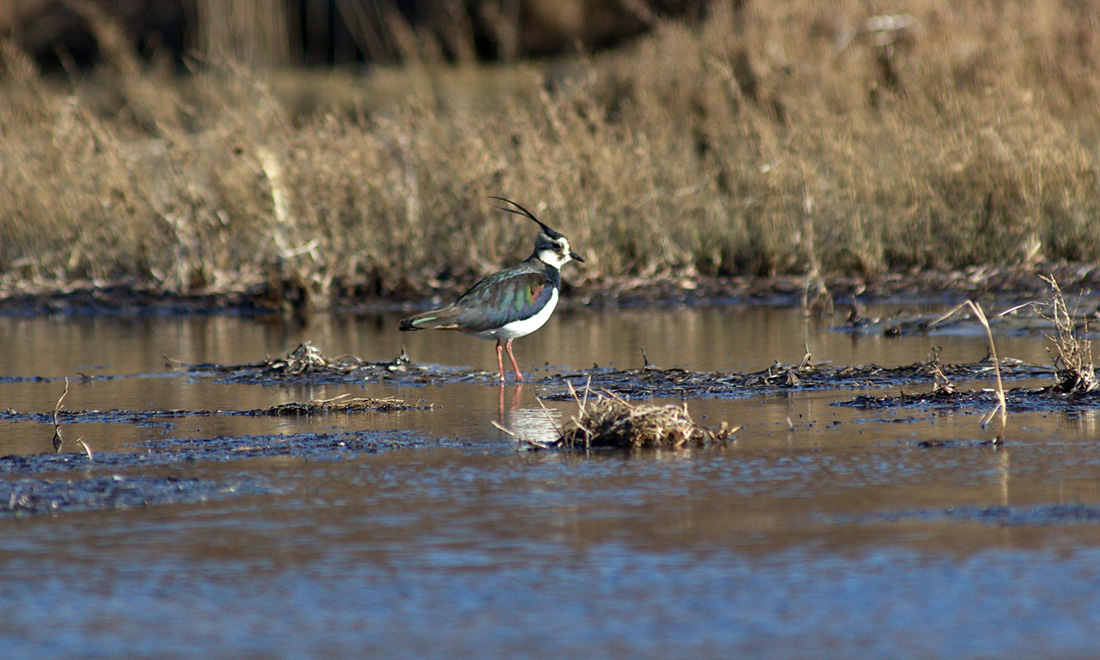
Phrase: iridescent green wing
(510,295)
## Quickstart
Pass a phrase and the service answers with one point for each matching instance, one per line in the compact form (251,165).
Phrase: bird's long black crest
(525,213)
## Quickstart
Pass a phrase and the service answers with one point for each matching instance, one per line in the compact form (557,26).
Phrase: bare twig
(58,442)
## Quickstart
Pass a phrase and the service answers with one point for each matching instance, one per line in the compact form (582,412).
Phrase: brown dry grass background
(771,138)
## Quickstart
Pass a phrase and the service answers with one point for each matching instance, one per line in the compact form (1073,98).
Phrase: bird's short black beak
(576,257)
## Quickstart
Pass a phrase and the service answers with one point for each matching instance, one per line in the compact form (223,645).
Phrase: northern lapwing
(510,303)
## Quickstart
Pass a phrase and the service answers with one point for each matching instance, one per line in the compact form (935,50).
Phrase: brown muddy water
(824,530)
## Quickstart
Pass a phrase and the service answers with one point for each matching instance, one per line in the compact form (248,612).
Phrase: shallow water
(823,531)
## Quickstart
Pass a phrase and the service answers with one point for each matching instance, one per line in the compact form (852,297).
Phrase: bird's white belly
(525,326)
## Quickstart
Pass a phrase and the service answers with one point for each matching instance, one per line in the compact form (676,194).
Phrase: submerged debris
(941,384)
(35,496)
(612,422)
(1000,516)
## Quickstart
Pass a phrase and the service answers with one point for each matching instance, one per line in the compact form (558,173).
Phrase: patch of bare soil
(154,417)
(650,381)
(1020,399)
(307,364)
(1009,283)
(933,383)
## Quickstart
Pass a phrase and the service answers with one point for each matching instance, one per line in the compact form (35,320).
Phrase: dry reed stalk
(1001,408)
(256,32)
(1002,405)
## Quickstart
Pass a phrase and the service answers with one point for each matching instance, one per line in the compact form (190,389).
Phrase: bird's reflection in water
(535,425)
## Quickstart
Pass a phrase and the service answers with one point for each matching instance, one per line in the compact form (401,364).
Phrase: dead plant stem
(1002,405)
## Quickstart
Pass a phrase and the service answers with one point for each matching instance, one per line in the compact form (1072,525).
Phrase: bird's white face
(554,251)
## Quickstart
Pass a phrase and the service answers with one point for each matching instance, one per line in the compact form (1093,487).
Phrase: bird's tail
(442,319)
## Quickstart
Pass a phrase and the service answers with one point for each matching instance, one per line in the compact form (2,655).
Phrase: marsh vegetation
(759,139)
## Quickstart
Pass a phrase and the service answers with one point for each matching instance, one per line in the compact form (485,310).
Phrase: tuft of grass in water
(769,138)
(611,422)
(1072,352)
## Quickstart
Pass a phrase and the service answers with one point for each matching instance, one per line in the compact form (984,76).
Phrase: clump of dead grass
(308,359)
(1072,351)
(344,403)
(611,422)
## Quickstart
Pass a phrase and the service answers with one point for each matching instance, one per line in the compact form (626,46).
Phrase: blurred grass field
(766,139)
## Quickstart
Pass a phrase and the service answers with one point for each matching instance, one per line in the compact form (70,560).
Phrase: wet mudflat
(855,512)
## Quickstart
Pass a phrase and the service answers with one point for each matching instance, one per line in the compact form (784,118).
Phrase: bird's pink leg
(500,362)
(519,376)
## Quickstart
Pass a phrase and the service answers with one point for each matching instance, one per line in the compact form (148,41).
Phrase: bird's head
(551,247)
